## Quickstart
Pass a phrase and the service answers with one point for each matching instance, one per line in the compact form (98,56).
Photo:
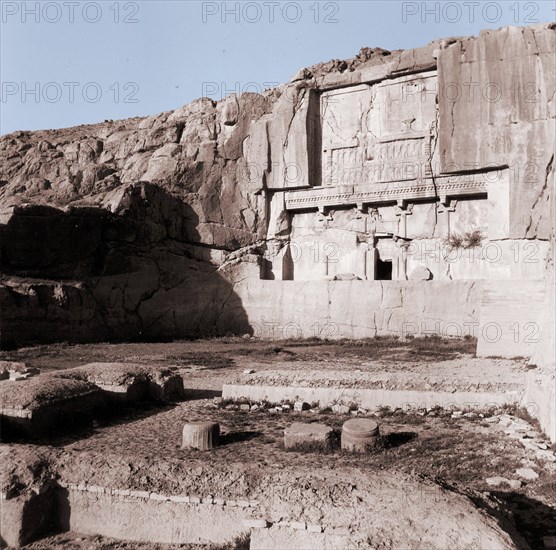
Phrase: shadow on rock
(136,270)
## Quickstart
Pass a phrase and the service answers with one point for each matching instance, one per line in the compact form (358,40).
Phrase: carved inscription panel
(379,133)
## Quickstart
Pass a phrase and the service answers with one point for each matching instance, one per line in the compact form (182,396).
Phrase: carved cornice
(388,193)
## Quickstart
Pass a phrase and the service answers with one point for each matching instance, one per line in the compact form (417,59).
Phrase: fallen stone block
(17,377)
(420,273)
(165,385)
(16,371)
(527,473)
(546,455)
(528,444)
(13,366)
(498,481)
(346,277)
(300,435)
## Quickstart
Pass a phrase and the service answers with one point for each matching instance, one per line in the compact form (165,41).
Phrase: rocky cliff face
(194,153)
(141,228)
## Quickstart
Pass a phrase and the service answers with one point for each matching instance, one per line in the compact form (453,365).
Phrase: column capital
(446,205)
(323,214)
(404,208)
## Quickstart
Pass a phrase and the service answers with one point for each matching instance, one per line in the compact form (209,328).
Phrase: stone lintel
(397,193)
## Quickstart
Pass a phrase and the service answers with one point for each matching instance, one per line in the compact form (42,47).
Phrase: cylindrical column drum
(200,435)
(359,434)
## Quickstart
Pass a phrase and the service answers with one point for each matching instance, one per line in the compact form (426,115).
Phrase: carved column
(361,210)
(324,216)
(370,261)
(362,246)
(445,207)
(403,209)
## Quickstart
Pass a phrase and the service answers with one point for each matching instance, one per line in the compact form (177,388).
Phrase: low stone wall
(387,505)
(371,399)
(271,309)
(151,517)
(540,400)
(281,537)
(360,309)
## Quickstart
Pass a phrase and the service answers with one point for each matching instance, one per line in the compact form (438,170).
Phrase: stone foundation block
(300,434)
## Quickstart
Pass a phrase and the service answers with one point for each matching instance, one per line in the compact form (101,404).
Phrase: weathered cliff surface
(142,228)
(194,153)
(497,107)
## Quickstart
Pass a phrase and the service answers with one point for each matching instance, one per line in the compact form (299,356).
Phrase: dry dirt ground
(423,363)
(141,447)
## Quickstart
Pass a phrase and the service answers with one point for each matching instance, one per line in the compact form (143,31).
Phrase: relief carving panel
(379,133)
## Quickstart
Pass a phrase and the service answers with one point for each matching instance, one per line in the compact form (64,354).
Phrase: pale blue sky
(75,62)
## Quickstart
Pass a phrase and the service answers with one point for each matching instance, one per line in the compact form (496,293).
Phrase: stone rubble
(527,474)
(498,481)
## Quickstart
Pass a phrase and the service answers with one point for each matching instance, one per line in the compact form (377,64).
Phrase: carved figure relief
(378,133)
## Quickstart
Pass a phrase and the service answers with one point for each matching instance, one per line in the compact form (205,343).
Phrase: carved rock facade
(437,161)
